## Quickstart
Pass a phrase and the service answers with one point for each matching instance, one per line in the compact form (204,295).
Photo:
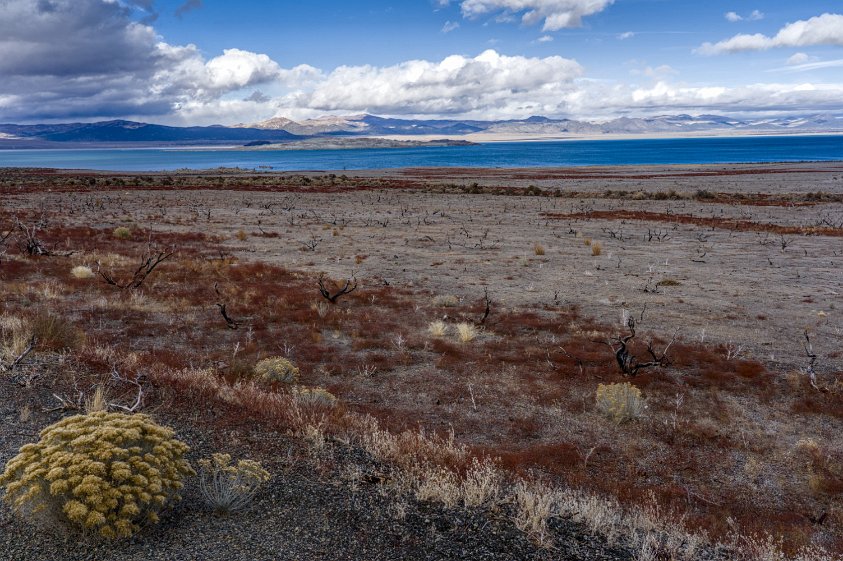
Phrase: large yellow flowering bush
(102,472)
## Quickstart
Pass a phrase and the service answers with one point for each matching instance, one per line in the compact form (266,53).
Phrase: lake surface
(499,154)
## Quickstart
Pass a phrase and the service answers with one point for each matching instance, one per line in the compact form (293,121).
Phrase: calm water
(503,154)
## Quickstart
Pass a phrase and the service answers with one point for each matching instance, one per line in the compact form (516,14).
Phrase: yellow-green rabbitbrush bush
(277,369)
(619,402)
(103,473)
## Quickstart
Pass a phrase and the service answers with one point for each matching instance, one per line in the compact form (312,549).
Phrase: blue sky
(211,61)
(330,33)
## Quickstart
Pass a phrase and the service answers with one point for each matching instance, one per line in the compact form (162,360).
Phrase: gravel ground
(303,513)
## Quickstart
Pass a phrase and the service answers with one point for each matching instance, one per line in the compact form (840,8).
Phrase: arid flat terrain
(731,273)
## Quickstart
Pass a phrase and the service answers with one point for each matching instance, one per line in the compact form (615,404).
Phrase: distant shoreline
(484,137)
(464,172)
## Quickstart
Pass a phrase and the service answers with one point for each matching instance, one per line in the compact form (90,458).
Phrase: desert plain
(731,275)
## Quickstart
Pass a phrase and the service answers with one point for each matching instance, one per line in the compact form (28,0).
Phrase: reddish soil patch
(709,222)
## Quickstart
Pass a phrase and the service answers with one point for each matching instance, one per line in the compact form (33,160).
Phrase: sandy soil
(753,290)
(737,261)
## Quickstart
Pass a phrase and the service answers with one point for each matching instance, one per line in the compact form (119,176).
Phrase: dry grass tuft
(304,396)
(122,233)
(534,505)
(321,308)
(439,485)
(437,328)
(466,332)
(82,272)
(596,249)
(96,402)
(227,486)
(15,335)
(55,333)
(446,301)
(538,249)
(482,484)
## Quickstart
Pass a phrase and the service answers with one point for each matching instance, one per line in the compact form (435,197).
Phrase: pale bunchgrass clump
(103,473)
(322,308)
(10,323)
(439,485)
(96,401)
(15,336)
(226,486)
(277,369)
(466,332)
(55,332)
(315,438)
(82,272)
(482,484)
(50,290)
(619,402)
(535,503)
(596,249)
(122,233)
(411,448)
(446,301)
(437,328)
(823,471)
(538,249)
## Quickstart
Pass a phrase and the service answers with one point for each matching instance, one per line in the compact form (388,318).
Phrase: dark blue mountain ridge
(281,130)
(130,131)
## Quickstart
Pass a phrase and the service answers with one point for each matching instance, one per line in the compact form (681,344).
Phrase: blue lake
(499,154)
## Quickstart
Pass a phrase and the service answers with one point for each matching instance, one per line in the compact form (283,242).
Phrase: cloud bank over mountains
(110,63)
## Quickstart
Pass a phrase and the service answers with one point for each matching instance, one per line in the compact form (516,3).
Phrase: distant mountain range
(118,132)
(282,130)
(372,125)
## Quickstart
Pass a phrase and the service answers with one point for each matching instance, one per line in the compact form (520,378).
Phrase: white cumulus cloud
(734,17)
(555,14)
(798,58)
(89,59)
(826,29)
(236,69)
(454,85)
(450,26)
